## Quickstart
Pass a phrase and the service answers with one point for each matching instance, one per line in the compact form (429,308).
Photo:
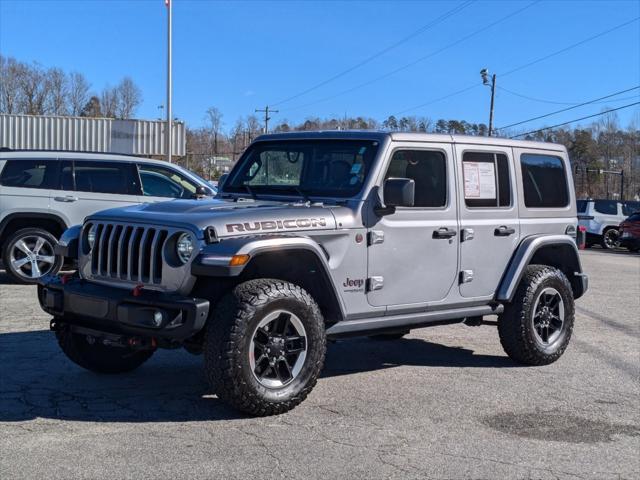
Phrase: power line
(575,120)
(552,102)
(568,108)
(418,60)
(417,32)
(526,65)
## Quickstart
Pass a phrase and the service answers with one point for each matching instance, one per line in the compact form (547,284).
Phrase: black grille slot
(128,253)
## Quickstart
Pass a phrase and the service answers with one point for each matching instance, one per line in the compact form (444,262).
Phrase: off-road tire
(97,357)
(9,245)
(228,338)
(515,324)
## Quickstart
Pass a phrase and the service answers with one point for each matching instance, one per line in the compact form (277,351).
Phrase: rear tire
(610,239)
(28,255)
(264,347)
(536,327)
(97,357)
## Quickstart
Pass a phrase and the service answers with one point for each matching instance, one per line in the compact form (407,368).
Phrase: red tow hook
(137,290)
(66,278)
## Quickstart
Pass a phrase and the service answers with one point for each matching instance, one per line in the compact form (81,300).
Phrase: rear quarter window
(544,181)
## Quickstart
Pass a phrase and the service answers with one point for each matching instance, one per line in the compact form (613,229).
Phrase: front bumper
(115,310)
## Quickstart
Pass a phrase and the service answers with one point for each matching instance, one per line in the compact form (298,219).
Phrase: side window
(544,181)
(581,206)
(427,169)
(66,175)
(164,182)
(30,174)
(486,179)
(104,177)
(606,207)
(630,207)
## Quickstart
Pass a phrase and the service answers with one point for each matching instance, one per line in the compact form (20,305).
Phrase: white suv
(602,219)
(42,193)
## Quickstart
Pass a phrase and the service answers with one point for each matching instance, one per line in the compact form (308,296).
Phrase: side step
(366,326)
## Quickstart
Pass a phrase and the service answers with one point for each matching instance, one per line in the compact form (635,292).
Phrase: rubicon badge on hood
(293,223)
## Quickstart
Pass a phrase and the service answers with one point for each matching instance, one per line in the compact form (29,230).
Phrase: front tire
(88,353)
(28,255)
(536,327)
(265,346)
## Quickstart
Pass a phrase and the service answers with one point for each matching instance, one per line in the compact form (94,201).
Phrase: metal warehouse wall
(136,137)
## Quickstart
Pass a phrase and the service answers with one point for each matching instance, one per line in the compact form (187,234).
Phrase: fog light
(157,318)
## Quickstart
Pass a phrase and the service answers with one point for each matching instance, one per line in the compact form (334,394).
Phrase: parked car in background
(602,218)
(630,232)
(42,193)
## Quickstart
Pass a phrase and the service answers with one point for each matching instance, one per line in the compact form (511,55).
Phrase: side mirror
(201,191)
(397,192)
(221,180)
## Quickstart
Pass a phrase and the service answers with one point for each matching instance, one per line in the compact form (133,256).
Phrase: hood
(228,217)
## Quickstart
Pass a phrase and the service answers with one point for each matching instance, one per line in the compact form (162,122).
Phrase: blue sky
(239,56)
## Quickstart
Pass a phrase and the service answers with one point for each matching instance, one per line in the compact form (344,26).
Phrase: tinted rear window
(606,207)
(544,181)
(29,174)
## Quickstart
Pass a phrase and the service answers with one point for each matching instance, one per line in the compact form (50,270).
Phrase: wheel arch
(298,260)
(559,251)
(17,221)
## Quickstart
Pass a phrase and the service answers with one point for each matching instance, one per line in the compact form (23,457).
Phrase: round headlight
(184,247)
(91,236)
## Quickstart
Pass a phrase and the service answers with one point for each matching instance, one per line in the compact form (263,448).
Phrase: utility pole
(266,112)
(169,126)
(484,73)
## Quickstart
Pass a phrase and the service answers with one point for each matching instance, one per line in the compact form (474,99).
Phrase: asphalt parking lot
(444,402)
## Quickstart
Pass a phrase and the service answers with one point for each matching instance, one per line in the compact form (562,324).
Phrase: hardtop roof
(380,135)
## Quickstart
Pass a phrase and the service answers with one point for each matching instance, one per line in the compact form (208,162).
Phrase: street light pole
(484,73)
(169,126)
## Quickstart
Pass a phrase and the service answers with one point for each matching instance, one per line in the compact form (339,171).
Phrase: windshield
(331,168)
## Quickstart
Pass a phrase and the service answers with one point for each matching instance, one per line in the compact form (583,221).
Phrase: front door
(413,253)
(489,225)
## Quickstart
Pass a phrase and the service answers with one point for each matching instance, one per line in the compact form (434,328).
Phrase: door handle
(444,233)
(68,198)
(504,231)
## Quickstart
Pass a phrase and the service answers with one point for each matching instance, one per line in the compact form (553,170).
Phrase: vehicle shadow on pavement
(38,381)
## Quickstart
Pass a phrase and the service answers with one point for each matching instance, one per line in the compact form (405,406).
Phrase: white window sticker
(479,180)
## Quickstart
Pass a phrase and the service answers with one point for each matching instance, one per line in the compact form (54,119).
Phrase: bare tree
(9,88)
(34,88)
(214,119)
(109,101)
(92,108)
(129,98)
(58,85)
(78,93)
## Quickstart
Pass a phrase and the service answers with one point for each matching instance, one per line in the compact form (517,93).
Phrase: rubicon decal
(266,225)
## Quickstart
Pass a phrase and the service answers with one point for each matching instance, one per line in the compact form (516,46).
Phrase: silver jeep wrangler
(322,235)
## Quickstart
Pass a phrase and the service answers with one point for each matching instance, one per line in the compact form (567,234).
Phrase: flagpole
(169,126)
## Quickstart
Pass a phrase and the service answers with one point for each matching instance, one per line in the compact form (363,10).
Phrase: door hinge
(375,283)
(375,237)
(466,276)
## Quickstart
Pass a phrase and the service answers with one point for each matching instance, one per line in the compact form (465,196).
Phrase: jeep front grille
(128,252)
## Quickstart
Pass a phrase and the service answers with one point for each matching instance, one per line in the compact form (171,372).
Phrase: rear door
(94,185)
(26,185)
(489,225)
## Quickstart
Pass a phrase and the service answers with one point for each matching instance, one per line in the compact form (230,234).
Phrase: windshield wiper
(303,193)
(249,190)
